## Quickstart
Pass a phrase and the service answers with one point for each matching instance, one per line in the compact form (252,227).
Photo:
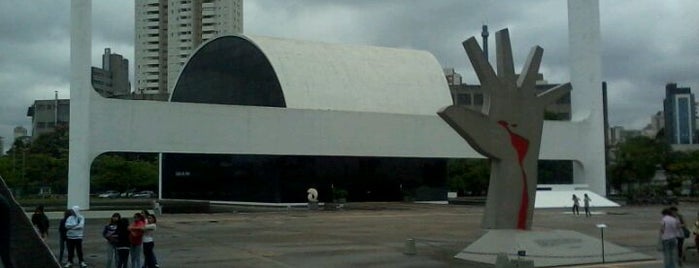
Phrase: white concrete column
(586,96)
(79,158)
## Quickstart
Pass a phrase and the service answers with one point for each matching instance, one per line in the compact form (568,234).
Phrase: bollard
(410,247)
(312,205)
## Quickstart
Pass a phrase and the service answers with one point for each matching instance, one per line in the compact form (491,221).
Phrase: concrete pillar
(586,96)
(80,157)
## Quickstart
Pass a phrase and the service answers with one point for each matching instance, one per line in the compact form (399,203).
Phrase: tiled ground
(363,235)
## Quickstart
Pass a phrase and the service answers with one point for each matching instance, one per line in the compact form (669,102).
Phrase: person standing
(149,243)
(136,239)
(110,234)
(123,245)
(681,235)
(62,235)
(586,204)
(41,222)
(669,228)
(576,205)
(74,237)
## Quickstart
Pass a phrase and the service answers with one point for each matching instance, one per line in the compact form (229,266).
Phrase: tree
(14,163)
(468,176)
(637,159)
(43,162)
(54,144)
(8,171)
(682,166)
(43,170)
(114,172)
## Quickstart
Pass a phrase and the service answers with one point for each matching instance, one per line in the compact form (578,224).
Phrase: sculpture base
(546,248)
(312,205)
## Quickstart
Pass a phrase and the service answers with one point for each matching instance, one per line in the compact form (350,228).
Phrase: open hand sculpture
(507,130)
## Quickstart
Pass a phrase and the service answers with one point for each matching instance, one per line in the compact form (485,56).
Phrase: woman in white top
(148,243)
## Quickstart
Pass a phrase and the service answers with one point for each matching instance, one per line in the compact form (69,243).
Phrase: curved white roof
(324,76)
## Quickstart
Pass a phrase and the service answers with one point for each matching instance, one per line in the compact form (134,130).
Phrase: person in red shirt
(136,238)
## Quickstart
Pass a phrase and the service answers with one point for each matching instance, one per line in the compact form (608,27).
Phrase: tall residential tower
(112,80)
(167,31)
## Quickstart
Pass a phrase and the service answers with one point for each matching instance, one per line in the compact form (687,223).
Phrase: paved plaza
(363,235)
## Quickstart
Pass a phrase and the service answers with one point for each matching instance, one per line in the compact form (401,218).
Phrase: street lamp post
(601,227)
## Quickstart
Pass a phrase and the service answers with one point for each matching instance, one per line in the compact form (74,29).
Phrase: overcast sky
(645,44)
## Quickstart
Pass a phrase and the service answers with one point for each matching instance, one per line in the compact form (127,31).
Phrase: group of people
(576,205)
(124,241)
(673,232)
(70,230)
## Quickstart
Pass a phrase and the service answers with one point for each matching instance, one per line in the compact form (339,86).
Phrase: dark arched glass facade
(231,70)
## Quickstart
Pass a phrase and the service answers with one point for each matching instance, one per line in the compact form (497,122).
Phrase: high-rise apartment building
(20,135)
(453,78)
(112,80)
(167,31)
(680,115)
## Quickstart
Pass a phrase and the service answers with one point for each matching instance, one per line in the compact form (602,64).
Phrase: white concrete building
(338,100)
(168,30)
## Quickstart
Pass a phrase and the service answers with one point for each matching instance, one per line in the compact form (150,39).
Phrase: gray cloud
(645,44)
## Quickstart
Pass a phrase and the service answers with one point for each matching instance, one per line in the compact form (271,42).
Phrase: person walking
(136,239)
(148,243)
(681,235)
(62,235)
(669,228)
(576,205)
(123,244)
(110,234)
(40,222)
(586,204)
(74,237)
